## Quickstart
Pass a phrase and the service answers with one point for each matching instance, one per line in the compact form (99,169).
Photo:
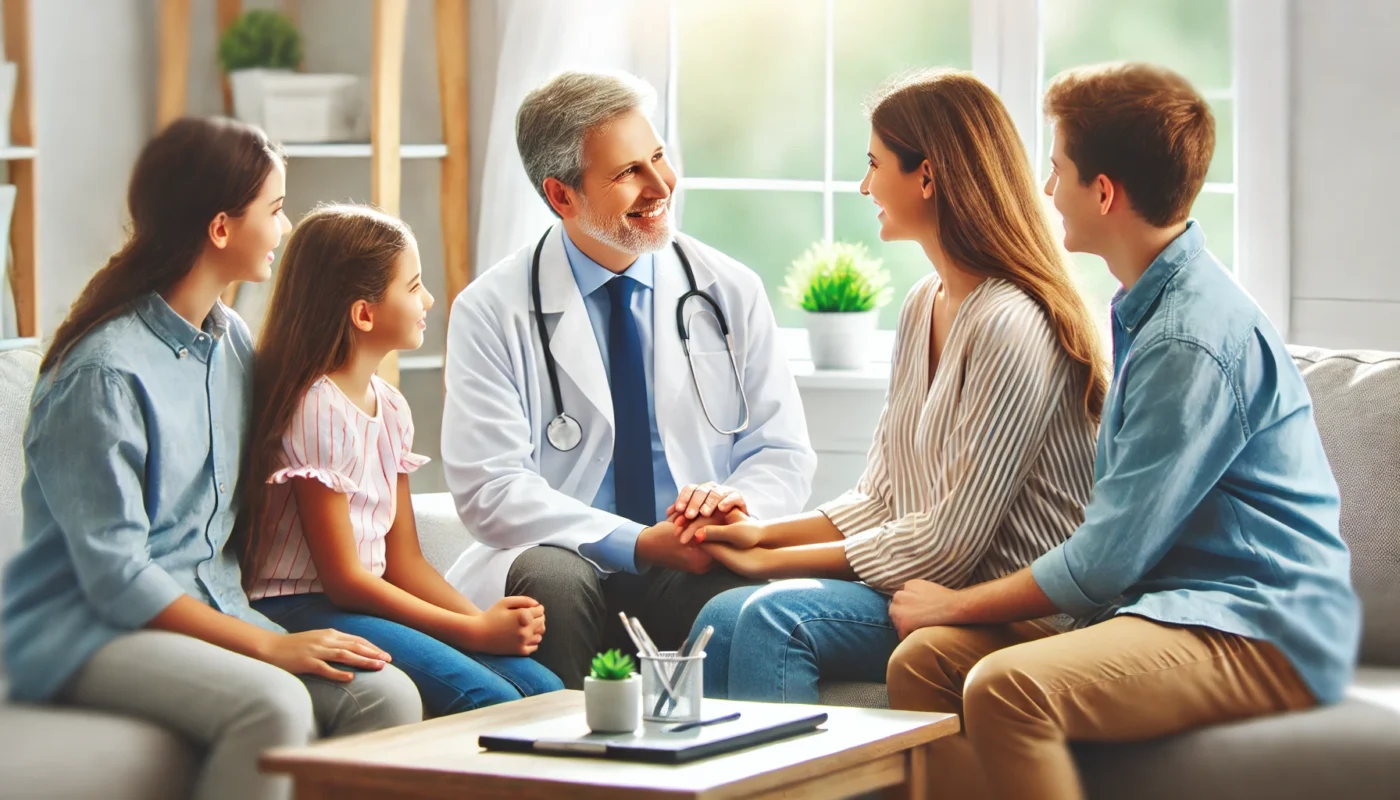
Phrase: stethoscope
(564,432)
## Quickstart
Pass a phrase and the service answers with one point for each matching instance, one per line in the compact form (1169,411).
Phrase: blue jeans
(448,679)
(772,642)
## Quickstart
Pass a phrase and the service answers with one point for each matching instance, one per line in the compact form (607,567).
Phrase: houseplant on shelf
(612,694)
(259,52)
(841,287)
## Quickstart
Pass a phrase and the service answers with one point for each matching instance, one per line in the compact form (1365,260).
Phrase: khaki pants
(1024,692)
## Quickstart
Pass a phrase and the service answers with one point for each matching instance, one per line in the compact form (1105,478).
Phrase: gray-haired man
(570,450)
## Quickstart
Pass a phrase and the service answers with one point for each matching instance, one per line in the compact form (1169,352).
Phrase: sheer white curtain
(537,39)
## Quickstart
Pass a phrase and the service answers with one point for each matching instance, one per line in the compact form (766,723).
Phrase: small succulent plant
(260,38)
(613,665)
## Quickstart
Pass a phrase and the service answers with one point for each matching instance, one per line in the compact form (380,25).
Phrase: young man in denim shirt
(1209,578)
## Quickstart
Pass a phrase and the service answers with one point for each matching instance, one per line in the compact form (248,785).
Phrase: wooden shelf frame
(386,152)
(23,162)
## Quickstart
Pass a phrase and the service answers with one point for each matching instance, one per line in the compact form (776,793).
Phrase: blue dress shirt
(617,551)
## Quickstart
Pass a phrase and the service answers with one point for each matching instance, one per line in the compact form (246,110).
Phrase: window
(1192,37)
(772,140)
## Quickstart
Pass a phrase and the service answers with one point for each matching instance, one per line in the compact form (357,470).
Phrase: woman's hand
(313,652)
(707,499)
(741,532)
(514,626)
(756,562)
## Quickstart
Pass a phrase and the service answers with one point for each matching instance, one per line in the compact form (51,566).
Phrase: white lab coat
(513,490)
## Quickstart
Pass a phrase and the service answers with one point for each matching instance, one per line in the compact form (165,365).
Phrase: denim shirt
(1213,501)
(132,458)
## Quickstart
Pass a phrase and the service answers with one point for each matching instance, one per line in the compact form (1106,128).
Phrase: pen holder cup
(672,685)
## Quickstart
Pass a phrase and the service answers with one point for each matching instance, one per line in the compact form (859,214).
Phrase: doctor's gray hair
(556,118)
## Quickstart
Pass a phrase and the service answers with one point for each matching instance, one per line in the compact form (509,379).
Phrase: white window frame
(1007,54)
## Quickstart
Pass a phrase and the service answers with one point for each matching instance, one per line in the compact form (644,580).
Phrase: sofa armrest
(441,534)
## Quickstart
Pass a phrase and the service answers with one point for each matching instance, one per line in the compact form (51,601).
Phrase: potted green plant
(612,694)
(841,287)
(260,52)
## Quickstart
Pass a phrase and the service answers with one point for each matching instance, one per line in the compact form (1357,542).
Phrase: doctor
(565,463)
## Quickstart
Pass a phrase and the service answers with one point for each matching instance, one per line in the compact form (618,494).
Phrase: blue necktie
(632,478)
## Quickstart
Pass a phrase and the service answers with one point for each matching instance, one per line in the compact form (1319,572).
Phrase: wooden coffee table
(858,750)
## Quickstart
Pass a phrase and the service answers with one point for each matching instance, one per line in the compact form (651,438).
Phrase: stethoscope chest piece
(564,433)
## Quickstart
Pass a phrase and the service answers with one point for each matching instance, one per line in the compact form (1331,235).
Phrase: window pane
(1222,166)
(1190,36)
(765,231)
(1216,213)
(855,222)
(750,101)
(871,49)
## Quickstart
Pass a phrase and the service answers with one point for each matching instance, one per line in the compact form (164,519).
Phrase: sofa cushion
(1355,394)
(1350,750)
(58,752)
(18,370)
(441,533)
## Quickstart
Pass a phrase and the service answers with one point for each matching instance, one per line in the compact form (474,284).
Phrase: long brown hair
(989,218)
(336,256)
(186,176)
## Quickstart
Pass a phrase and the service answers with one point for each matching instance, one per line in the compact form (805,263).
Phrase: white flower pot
(613,706)
(301,107)
(248,87)
(841,340)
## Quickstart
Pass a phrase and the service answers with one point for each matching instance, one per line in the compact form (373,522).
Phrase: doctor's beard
(625,234)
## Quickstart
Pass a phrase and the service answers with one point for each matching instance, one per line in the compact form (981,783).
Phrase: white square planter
(297,107)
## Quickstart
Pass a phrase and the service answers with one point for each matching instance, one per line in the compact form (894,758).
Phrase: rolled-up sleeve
(87,447)
(1181,427)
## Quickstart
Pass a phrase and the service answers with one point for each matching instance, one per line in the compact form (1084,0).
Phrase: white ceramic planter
(841,340)
(300,107)
(248,87)
(613,706)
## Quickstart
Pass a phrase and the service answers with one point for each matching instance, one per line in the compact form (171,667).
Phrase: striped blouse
(333,441)
(975,474)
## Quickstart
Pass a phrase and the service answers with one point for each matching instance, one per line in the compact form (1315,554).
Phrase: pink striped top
(332,440)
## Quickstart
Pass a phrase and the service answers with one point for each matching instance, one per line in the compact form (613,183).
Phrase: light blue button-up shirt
(133,454)
(617,550)
(1213,501)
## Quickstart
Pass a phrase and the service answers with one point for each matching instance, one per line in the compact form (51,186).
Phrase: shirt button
(222,488)
(182,352)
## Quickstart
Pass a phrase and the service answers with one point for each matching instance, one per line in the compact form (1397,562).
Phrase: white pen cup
(672,686)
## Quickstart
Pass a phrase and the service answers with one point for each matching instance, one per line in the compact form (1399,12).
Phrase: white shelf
(17,153)
(16,344)
(360,150)
(421,363)
(874,378)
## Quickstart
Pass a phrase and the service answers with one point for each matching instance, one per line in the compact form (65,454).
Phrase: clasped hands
(703,515)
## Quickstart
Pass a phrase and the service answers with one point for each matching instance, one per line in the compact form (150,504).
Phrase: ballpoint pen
(685,726)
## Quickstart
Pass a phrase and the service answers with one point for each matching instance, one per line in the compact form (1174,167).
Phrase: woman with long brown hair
(124,597)
(332,541)
(983,457)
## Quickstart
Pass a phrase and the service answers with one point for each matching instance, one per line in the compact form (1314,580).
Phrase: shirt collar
(591,276)
(1131,305)
(177,333)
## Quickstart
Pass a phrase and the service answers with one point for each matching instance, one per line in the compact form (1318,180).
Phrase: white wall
(1346,170)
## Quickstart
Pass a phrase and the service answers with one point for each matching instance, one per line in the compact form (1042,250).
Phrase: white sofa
(1347,751)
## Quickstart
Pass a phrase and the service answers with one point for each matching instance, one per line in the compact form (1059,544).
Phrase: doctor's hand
(704,499)
(659,545)
(737,529)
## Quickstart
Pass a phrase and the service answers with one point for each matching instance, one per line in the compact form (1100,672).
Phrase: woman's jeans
(448,679)
(773,642)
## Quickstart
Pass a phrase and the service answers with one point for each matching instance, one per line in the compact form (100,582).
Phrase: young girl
(984,456)
(334,541)
(123,597)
